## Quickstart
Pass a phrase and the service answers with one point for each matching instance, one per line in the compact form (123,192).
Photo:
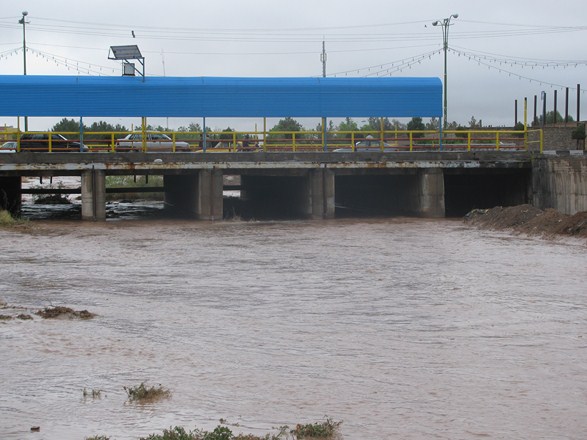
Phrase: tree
(348,125)
(474,124)
(288,125)
(374,124)
(551,118)
(227,134)
(67,125)
(191,127)
(397,125)
(416,124)
(434,124)
(579,135)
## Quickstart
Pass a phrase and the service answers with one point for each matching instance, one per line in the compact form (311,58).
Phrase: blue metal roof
(104,96)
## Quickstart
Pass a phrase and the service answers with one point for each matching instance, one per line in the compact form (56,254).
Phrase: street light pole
(445,24)
(23,22)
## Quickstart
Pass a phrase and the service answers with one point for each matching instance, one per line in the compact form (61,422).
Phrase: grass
(8,220)
(144,394)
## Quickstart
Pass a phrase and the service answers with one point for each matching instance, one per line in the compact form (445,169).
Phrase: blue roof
(104,96)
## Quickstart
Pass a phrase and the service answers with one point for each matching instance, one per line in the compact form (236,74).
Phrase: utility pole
(23,22)
(323,59)
(445,24)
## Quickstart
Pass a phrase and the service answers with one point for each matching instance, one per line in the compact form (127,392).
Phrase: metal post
(525,123)
(324,134)
(566,105)
(535,120)
(324,128)
(23,22)
(323,59)
(578,102)
(543,108)
(515,112)
(204,135)
(81,133)
(555,112)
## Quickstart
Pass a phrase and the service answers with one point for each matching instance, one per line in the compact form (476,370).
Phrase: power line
(482,62)
(388,67)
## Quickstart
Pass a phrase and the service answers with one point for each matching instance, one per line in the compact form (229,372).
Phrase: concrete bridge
(319,185)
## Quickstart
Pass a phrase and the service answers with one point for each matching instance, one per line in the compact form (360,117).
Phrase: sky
(498,52)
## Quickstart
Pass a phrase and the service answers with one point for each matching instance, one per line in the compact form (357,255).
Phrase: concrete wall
(560,182)
(559,138)
(94,195)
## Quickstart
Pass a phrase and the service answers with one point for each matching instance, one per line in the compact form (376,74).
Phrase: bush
(143,394)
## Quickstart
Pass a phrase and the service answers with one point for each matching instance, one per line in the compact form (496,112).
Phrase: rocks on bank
(527,219)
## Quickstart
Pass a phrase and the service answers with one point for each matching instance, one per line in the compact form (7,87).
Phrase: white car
(155,142)
(8,147)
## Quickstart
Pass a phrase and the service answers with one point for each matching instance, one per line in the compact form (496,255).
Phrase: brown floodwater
(400,328)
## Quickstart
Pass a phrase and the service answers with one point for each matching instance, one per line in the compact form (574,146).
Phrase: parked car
(369,144)
(8,147)
(40,142)
(155,142)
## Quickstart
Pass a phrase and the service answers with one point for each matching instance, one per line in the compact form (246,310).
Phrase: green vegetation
(94,394)
(97,437)
(8,220)
(64,312)
(327,430)
(143,394)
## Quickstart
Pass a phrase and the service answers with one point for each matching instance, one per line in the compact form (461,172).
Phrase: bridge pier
(11,194)
(320,195)
(431,193)
(209,203)
(94,195)
(196,195)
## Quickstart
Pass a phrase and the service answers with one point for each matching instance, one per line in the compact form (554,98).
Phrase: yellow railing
(283,141)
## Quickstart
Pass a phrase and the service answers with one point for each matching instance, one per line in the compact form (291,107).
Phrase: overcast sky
(499,51)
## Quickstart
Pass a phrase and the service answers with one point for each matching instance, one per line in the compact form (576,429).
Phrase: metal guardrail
(284,141)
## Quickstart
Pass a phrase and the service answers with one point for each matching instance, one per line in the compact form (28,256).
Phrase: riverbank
(527,219)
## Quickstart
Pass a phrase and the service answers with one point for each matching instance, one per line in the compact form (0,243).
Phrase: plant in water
(143,394)
(94,394)
(327,430)
(176,433)
(97,437)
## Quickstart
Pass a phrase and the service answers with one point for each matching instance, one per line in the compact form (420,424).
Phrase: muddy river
(399,328)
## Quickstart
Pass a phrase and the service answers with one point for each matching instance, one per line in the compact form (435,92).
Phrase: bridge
(320,174)
(292,184)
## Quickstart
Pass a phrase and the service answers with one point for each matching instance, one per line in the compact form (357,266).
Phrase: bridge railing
(282,141)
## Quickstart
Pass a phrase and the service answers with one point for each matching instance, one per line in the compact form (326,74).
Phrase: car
(8,147)
(155,142)
(369,144)
(40,142)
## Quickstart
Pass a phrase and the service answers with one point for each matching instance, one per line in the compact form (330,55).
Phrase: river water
(400,328)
